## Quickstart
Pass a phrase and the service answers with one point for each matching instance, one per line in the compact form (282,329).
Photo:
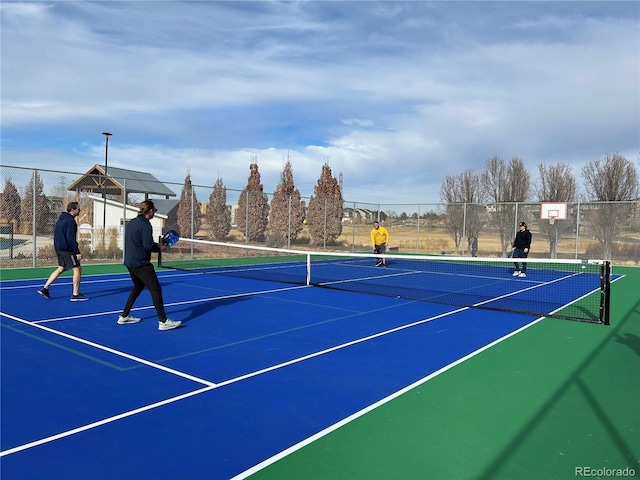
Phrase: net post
(308,269)
(605,292)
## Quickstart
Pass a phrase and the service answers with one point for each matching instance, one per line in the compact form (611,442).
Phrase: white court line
(211,386)
(36,282)
(104,421)
(173,304)
(110,350)
(373,406)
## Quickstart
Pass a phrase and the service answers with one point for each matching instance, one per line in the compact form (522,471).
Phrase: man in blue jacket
(65,244)
(138,245)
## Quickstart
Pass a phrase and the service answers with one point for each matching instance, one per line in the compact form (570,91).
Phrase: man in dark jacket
(138,245)
(521,245)
(65,244)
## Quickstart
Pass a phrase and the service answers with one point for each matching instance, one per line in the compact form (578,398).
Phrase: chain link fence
(32,201)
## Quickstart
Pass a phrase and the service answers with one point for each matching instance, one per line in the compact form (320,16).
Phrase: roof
(165,205)
(117,179)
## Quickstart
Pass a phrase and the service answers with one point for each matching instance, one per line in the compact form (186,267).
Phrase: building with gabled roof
(118,182)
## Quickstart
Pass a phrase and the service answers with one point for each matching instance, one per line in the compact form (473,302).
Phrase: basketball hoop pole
(552,219)
(553,211)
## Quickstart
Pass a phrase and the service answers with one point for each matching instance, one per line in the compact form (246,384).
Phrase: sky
(392,95)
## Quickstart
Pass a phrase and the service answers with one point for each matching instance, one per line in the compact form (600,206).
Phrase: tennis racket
(170,238)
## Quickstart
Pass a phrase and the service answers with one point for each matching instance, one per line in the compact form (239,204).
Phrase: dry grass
(424,240)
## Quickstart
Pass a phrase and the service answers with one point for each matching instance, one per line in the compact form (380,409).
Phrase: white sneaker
(128,319)
(169,324)
(516,273)
(522,274)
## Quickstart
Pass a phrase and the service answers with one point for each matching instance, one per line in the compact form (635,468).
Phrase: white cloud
(416,89)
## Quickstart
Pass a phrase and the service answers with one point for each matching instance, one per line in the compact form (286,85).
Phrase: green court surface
(557,400)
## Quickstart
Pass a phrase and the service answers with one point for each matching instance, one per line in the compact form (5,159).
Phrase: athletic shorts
(67,260)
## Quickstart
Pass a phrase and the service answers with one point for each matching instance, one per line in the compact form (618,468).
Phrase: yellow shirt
(379,236)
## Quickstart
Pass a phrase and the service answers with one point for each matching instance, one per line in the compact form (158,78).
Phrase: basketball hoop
(553,212)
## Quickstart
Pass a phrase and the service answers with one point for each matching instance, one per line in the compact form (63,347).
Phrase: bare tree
(252,215)
(610,179)
(519,181)
(504,186)
(287,209)
(218,214)
(557,185)
(324,216)
(189,219)
(463,196)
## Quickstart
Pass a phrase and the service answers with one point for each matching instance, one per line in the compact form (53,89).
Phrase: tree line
(503,185)
(284,218)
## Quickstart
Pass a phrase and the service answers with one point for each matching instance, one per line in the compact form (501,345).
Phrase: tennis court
(282,379)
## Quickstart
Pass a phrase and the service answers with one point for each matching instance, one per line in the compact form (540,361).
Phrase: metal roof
(117,179)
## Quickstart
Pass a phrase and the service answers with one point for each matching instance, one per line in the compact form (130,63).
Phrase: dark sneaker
(45,293)
(78,298)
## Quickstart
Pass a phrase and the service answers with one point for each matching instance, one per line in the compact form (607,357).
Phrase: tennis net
(569,289)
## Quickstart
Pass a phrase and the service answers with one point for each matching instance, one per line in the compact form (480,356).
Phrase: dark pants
(142,277)
(520,253)
(379,250)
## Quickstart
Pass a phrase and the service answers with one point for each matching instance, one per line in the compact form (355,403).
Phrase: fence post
(288,223)
(577,231)
(33,217)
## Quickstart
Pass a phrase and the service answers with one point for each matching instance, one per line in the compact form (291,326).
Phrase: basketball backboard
(553,211)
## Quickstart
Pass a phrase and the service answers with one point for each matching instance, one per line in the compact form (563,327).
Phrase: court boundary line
(68,281)
(331,428)
(104,421)
(211,386)
(172,304)
(113,351)
(307,441)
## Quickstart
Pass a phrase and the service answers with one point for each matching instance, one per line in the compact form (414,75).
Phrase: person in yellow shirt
(379,240)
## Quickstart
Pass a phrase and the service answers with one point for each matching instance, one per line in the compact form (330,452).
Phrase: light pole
(104,188)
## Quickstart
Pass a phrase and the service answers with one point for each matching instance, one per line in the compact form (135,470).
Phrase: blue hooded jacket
(65,234)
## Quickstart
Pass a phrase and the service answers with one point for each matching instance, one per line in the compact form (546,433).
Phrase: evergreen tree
(218,214)
(188,210)
(10,204)
(287,208)
(41,210)
(324,216)
(253,207)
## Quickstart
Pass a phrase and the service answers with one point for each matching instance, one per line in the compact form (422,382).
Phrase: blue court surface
(256,368)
